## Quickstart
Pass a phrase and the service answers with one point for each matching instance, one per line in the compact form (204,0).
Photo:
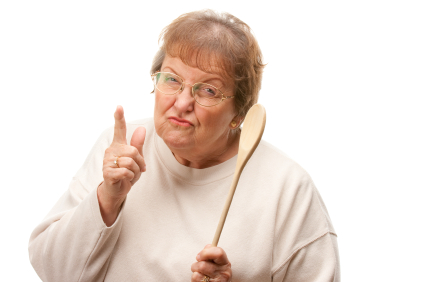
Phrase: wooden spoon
(252,130)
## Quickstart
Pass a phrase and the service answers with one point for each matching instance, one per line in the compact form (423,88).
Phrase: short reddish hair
(216,43)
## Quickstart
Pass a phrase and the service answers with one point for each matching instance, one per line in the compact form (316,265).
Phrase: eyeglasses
(204,94)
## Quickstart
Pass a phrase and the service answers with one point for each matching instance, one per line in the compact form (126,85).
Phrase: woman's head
(219,44)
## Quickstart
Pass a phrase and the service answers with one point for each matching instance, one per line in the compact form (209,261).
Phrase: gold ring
(206,279)
(116,162)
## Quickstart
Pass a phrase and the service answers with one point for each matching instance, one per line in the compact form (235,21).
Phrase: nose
(184,99)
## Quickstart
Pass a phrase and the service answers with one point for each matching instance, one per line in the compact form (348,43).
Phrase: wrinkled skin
(213,262)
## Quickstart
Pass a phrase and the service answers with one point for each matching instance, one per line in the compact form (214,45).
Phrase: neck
(204,159)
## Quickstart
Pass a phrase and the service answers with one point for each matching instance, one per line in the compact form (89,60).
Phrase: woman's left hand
(212,262)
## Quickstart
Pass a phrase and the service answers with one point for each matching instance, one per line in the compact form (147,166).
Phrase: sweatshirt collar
(190,175)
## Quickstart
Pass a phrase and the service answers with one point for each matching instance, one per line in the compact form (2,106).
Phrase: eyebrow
(209,80)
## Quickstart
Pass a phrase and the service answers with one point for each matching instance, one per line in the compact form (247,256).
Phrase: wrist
(109,206)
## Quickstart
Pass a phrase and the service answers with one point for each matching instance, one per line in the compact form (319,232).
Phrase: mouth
(179,121)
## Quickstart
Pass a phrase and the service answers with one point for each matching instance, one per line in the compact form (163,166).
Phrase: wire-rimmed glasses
(204,94)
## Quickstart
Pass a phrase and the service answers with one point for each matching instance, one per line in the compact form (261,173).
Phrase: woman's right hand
(118,179)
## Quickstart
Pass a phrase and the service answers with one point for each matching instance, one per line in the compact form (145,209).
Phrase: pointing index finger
(120,129)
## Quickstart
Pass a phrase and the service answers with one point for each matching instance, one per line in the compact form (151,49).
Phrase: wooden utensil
(252,130)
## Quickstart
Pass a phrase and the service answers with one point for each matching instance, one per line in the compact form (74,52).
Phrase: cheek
(212,122)
(163,103)
(202,115)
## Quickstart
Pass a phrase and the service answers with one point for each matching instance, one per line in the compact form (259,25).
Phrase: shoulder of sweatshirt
(297,187)
(276,161)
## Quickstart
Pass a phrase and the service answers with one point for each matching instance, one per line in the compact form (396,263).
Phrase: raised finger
(120,128)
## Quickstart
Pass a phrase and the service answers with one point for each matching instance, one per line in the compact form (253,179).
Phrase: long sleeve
(305,246)
(317,261)
(72,243)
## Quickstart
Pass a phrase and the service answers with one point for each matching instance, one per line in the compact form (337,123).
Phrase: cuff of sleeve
(97,216)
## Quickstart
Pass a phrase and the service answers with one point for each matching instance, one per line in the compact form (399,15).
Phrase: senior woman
(144,210)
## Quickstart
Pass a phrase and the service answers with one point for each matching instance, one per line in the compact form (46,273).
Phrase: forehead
(192,71)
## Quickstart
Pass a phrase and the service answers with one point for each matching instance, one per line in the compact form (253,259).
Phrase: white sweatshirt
(277,229)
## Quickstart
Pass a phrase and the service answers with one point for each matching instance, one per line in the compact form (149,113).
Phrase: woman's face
(186,126)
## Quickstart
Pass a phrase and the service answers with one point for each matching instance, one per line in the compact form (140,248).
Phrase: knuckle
(108,150)
(194,276)
(193,267)
(123,162)
(140,159)
(205,267)
(129,174)
(220,252)
(131,164)
(106,162)
(114,177)
(227,275)
(135,165)
(107,174)
(141,165)
(133,151)
(109,177)
(136,175)
(139,162)
(202,266)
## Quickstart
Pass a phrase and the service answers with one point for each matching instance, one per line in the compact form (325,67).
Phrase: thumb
(138,139)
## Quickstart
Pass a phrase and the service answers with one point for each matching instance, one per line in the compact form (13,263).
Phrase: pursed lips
(179,121)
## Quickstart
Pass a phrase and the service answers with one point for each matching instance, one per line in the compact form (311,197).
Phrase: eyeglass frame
(193,93)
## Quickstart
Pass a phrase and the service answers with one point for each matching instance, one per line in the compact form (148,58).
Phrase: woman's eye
(208,91)
(171,79)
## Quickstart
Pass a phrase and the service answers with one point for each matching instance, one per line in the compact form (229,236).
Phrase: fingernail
(144,168)
(198,257)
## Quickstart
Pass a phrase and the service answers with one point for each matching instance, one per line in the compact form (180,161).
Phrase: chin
(176,137)
(177,140)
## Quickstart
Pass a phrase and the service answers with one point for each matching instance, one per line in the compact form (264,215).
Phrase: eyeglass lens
(205,94)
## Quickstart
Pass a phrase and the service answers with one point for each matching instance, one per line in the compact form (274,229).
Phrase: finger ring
(116,162)
(206,279)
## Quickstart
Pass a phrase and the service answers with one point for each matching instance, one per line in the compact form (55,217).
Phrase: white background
(343,90)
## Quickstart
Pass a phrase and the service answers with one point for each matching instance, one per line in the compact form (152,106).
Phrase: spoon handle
(226,207)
